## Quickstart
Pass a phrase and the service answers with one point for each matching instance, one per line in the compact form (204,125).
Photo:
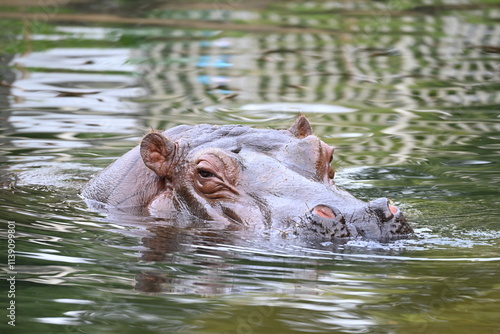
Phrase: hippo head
(275,180)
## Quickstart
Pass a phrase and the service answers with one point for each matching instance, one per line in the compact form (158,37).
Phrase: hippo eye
(205,173)
(330,171)
(214,176)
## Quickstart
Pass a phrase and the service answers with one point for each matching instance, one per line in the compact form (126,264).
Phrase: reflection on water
(407,92)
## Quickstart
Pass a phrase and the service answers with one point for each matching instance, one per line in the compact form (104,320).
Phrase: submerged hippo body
(274,180)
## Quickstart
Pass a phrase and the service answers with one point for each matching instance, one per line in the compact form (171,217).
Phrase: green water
(407,92)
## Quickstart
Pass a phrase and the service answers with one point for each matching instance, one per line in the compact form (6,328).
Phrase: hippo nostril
(383,209)
(324,211)
(328,221)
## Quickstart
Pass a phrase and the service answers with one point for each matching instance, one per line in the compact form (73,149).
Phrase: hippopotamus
(264,180)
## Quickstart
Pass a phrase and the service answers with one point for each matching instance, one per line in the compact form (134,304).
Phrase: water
(407,92)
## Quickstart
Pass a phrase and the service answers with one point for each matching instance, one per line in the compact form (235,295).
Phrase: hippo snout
(382,209)
(378,219)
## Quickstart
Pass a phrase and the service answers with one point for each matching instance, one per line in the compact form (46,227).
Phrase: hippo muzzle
(377,220)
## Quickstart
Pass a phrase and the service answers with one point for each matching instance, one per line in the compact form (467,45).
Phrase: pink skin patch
(324,211)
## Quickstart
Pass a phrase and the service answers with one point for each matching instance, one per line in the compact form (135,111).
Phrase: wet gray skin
(256,179)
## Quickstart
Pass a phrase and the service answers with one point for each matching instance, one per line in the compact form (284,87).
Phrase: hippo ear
(301,128)
(158,153)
